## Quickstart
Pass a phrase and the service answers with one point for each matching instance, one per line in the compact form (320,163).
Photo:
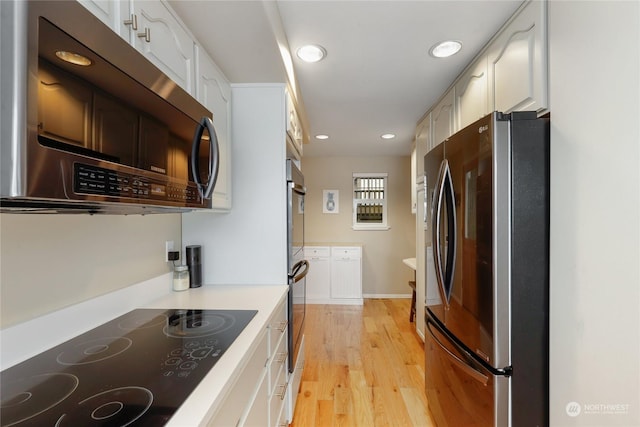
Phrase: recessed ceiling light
(445,49)
(322,136)
(388,136)
(73,58)
(311,53)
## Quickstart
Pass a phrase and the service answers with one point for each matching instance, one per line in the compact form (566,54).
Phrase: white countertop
(206,398)
(52,329)
(410,262)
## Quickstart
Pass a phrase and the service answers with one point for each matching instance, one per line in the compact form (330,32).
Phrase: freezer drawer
(459,390)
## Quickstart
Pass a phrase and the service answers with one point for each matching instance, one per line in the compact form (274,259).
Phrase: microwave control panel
(99,181)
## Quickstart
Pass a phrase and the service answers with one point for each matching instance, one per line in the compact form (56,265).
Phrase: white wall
(48,262)
(383,272)
(595,212)
(249,244)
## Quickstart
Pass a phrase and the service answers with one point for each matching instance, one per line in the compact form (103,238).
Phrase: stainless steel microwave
(90,125)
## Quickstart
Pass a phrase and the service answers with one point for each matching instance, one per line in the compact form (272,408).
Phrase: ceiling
(377,77)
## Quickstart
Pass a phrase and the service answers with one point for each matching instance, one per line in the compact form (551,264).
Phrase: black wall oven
(297,266)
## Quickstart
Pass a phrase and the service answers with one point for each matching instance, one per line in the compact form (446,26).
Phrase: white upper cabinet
(155,31)
(161,37)
(471,94)
(442,117)
(214,92)
(294,130)
(108,11)
(424,143)
(517,62)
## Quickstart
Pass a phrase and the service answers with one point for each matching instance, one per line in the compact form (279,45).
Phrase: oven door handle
(299,189)
(295,275)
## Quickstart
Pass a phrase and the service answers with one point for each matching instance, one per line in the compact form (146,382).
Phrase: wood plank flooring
(364,367)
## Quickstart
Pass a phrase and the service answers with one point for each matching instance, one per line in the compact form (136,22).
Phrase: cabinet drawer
(346,252)
(277,399)
(279,420)
(258,410)
(238,400)
(317,252)
(277,327)
(277,362)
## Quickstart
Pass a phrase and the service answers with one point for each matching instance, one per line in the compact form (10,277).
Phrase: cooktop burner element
(134,370)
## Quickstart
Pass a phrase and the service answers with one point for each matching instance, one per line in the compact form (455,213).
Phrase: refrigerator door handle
(469,370)
(452,237)
(425,199)
(444,176)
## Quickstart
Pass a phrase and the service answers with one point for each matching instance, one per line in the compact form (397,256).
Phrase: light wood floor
(364,367)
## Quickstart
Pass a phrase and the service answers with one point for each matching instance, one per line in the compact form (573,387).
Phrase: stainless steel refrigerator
(487,320)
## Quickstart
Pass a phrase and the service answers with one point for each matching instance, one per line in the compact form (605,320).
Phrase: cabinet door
(164,41)
(319,276)
(421,231)
(518,62)
(294,128)
(442,119)
(413,179)
(346,273)
(471,94)
(248,395)
(214,92)
(424,141)
(108,11)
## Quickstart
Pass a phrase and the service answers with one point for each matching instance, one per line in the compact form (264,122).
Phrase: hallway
(364,367)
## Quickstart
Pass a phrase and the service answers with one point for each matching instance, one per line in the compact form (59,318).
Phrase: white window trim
(385,215)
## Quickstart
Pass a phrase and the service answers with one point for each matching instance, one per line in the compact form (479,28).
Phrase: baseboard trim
(386,296)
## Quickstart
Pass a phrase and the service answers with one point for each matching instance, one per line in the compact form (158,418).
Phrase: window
(370,201)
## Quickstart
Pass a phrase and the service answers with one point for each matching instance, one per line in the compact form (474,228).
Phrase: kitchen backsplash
(48,262)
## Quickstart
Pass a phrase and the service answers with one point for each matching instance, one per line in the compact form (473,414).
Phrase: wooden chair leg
(412,312)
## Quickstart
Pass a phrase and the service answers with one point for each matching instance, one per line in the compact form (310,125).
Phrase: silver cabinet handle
(281,357)
(146,35)
(282,326)
(133,21)
(282,391)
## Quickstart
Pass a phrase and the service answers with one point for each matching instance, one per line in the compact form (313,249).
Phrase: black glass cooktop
(134,370)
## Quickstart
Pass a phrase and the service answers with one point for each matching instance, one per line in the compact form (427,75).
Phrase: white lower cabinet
(319,275)
(293,387)
(277,367)
(245,396)
(335,274)
(346,273)
(258,397)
